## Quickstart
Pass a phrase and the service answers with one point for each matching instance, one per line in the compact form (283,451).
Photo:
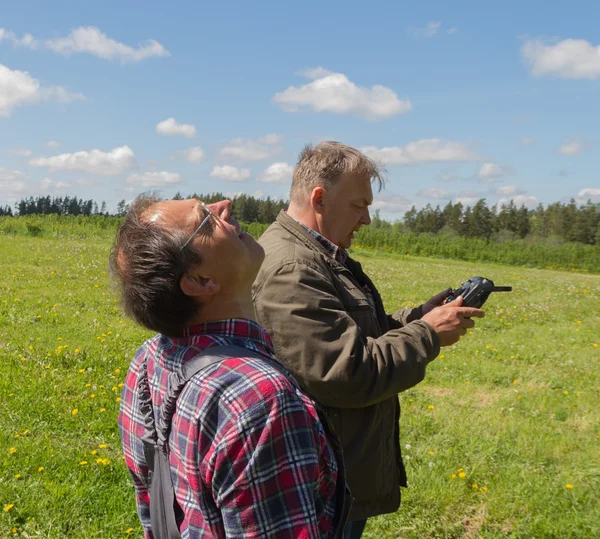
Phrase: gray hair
(323,165)
(146,263)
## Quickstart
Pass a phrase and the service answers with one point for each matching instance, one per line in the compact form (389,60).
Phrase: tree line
(563,222)
(558,221)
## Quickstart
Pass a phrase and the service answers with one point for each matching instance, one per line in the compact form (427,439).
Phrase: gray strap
(165,512)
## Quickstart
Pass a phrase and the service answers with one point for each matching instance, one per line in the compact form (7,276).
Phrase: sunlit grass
(500,440)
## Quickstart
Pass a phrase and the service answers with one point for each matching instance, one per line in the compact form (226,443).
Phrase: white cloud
(467,201)
(508,190)
(432,28)
(571,147)
(277,173)
(170,127)
(519,200)
(20,152)
(52,144)
(527,141)
(27,41)
(334,92)
(422,151)
(88,181)
(11,181)
(434,192)
(230,174)
(392,204)
(569,59)
(195,154)
(153,179)
(50,185)
(490,172)
(452,30)
(20,88)
(112,163)
(89,39)
(252,150)
(270,139)
(589,193)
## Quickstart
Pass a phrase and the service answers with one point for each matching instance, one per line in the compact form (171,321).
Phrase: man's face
(230,257)
(346,209)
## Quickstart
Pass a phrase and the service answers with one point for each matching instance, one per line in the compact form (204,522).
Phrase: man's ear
(195,285)
(317,199)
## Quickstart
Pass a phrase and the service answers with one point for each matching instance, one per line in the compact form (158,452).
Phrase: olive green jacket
(353,363)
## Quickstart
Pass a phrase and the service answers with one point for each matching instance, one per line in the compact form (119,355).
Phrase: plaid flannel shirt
(249,457)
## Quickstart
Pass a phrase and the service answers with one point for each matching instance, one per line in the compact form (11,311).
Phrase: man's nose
(366,220)
(221,209)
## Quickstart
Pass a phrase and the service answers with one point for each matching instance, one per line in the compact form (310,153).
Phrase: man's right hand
(451,321)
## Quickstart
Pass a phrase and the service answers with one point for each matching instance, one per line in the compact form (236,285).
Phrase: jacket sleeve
(325,349)
(402,317)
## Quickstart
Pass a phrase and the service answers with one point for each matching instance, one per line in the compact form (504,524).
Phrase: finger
(440,297)
(467,323)
(469,312)
(456,302)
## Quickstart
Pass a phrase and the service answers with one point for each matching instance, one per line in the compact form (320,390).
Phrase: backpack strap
(165,512)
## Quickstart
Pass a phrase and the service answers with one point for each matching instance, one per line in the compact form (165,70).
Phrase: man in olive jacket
(329,326)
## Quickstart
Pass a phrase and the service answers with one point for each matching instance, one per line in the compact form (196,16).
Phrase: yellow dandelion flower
(40,469)
(25,432)
(431,452)
(94,452)
(431,407)
(460,470)
(74,411)
(462,475)
(569,486)
(595,345)
(117,371)
(475,486)
(442,356)
(515,381)
(565,392)
(88,385)
(103,446)
(17,476)
(17,435)
(83,462)
(128,530)
(484,489)
(30,347)
(77,350)
(12,450)
(453,476)
(118,399)
(92,396)
(103,409)
(8,507)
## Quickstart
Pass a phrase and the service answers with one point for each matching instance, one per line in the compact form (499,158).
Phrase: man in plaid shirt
(250,455)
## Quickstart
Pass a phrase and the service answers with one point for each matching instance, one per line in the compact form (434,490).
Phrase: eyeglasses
(204,221)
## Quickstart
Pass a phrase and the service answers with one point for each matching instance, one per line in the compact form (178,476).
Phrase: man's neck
(222,308)
(305,215)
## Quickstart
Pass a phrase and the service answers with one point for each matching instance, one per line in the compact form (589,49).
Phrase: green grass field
(502,439)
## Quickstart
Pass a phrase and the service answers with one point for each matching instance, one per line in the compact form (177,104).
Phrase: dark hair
(323,165)
(147,263)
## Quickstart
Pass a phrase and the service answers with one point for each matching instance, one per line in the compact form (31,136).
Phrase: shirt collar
(232,328)
(335,252)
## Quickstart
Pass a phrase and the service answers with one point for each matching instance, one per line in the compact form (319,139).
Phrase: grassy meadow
(501,440)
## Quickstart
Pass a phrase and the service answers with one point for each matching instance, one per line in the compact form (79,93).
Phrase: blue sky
(460,101)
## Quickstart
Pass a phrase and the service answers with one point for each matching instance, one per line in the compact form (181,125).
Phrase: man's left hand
(435,301)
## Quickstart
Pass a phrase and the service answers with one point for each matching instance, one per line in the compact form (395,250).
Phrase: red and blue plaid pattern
(249,457)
